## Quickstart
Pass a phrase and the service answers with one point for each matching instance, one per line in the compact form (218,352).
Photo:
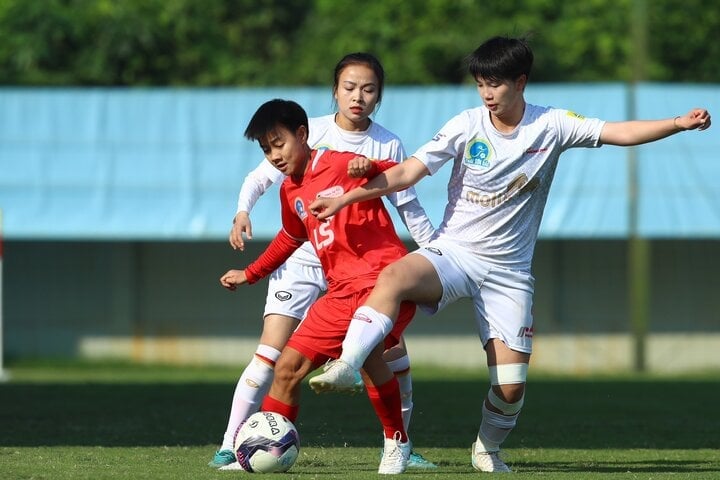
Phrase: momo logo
(478,153)
(300,208)
(434,250)
(520,184)
(283,295)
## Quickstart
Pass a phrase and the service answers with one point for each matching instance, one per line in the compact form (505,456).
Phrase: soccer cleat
(395,456)
(222,458)
(418,461)
(337,376)
(488,461)
(232,466)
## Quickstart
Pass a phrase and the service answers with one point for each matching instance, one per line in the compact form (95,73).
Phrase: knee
(507,392)
(392,278)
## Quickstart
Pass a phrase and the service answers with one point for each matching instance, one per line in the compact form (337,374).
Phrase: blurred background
(121,157)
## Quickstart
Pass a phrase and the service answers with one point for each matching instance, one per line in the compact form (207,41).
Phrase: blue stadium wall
(117,204)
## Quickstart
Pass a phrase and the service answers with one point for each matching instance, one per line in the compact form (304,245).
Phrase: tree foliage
(297,42)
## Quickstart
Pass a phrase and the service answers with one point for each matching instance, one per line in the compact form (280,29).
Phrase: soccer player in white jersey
(357,90)
(503,156)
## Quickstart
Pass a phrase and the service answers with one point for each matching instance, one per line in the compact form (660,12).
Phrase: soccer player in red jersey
(353,246)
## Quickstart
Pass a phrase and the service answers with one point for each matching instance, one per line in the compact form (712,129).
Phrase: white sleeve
(255,184)
(416,221)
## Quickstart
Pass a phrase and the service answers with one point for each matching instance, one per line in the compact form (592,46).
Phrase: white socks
(494,429)
(401,369)
(251,388)
(368,327)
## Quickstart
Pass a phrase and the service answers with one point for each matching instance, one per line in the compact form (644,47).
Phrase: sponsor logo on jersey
(438,136)
(533,151)
(525,332)
(518,185)
(575,115)
(434,250)
(300,208)
(332,192)
(283,296)
(478,153)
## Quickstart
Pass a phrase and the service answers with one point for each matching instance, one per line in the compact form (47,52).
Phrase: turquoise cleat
(222,458)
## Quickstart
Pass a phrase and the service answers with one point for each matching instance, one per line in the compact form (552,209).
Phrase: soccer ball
(266,443)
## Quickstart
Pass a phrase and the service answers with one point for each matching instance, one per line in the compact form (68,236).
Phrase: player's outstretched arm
(636,132)
(233,278)
(254,186)
(397,178)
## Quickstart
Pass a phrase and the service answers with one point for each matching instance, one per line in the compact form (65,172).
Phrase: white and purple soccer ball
(266,443)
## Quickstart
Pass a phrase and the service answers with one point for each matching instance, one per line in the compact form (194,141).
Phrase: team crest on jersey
(575,115)
(332,192)
(300,208)
(478,153)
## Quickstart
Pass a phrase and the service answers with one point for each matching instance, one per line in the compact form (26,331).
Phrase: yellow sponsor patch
(575,115)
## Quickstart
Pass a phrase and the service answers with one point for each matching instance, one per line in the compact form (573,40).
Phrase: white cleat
(488,462)
(395,456)
(231,466)
(337,376)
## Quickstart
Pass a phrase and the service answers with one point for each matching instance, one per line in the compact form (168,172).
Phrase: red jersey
(354,245)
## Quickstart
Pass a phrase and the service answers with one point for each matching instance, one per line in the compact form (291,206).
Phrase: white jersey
(374,143)
(500,182)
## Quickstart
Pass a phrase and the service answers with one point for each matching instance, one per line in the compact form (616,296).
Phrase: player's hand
(325,207)
(696,118)
(241,226)
(233,278)
(359,166)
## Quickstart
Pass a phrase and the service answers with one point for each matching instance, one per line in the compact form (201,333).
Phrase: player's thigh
(277,329)
(412,278)
(293,288)
(456,274)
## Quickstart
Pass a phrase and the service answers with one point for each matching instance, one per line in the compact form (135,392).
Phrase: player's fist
(233,278)
(359,166)
(696,118)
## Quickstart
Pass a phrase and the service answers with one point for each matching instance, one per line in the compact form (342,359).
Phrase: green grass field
(61,420)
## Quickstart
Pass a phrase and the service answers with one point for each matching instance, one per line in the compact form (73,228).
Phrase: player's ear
(302,134)
(521,82)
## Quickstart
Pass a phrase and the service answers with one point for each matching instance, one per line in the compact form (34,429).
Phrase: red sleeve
(279,250)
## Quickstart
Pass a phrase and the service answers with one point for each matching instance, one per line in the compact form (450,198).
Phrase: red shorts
(320,335)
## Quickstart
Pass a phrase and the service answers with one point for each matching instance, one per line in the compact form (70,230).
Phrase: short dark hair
(361,58)
(501,58)
(273,113)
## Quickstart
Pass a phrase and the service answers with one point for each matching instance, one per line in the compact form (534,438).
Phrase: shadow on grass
(657,466)
(580,414)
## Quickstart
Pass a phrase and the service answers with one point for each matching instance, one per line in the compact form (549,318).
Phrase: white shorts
(293,288)
(502,298)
